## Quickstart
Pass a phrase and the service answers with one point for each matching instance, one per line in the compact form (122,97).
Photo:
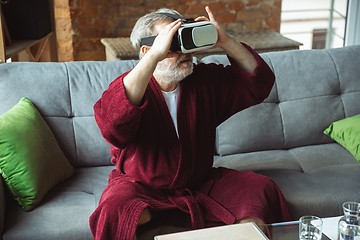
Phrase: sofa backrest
(65,93)
(313,89)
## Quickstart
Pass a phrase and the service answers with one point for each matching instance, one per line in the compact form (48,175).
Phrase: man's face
(176,66)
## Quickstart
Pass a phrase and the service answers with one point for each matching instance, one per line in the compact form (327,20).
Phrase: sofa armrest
(2,206)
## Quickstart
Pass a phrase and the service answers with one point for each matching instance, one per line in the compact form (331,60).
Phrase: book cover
(243,231)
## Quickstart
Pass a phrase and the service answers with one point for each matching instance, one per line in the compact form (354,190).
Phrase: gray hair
(144,27)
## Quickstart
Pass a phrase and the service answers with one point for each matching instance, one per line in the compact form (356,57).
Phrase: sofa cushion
(320,192)
(347,133)
(65,210)
(295,114)
(31,161)
(310,177)
(64,94)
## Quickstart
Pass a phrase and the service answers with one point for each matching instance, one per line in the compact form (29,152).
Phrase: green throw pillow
(31,161)
(347,133)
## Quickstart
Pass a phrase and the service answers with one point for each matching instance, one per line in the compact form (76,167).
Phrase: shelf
(260,41)
(17,46)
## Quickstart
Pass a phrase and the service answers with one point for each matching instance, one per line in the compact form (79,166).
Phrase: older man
(160,119)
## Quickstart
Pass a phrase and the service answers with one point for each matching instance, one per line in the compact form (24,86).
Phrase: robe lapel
(187,135)
(186,117)
(163,111)
(171,146)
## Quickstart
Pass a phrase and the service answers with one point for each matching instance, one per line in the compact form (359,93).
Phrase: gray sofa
(281,138)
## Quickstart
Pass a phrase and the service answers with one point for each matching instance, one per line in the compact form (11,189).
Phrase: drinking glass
(349,224)
(310,228)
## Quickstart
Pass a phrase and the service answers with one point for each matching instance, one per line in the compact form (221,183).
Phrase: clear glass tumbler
(310,228)
(349,224)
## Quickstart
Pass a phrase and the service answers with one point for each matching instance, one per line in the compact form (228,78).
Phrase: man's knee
(257,221)
(145,217)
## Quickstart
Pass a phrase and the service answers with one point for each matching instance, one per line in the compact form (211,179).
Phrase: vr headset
(191,36)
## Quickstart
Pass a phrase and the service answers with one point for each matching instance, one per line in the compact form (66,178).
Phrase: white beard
(168,73)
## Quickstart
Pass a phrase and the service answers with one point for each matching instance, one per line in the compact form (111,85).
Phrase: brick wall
(80,24)
(64,30)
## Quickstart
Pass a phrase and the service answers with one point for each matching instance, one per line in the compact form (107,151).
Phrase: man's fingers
(211,16)
(176,25)
(202,18)
(172,27)
(173,24)
(163,41)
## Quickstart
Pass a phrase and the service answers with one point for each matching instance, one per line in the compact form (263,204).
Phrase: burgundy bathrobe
(157,169)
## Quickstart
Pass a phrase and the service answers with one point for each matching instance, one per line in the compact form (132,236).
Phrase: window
(317,24)
(319,38)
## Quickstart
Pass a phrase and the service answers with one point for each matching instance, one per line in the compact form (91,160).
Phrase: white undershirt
(171,99)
